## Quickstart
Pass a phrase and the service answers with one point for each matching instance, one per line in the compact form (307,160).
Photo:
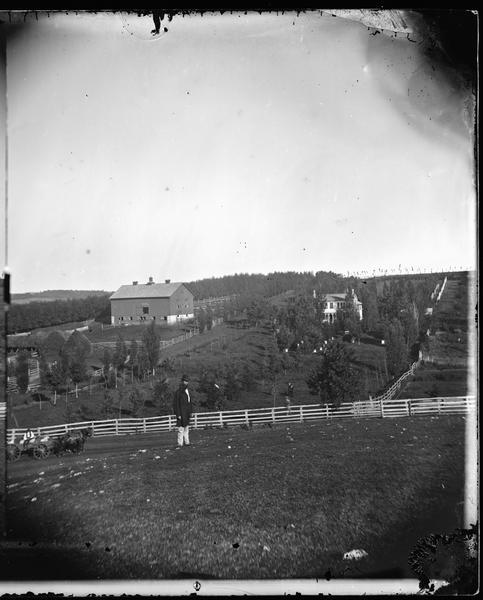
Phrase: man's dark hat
(184,378)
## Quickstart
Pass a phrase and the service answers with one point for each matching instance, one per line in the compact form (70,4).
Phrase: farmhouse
(164,303)
(335,302)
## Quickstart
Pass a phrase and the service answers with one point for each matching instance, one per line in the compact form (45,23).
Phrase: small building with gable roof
(165,303)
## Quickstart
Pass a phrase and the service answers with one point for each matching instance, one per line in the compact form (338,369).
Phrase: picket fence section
(260,416)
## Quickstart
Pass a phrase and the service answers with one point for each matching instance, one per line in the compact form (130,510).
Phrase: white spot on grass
(55,485)
(101,491)
(12,485)
(42,473)
(33,499)
(356,554)
(156,457)
(142,450)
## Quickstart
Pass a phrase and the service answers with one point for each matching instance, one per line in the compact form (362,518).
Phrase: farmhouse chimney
(167,281)
(134,282)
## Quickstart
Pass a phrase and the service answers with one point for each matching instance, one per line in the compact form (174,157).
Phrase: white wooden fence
(162,343)
(396,386)
(259,416)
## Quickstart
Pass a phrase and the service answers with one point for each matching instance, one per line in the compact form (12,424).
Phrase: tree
(22,371)
(232,387)
(54,342)
(208,386)
(77,367)
(77,344)
(106,361)
(137,399)
(162,396)
(335,380)
(209,319)
(58,377)
(396,349)
(151,346)
(109,404)
(133,357)
(45,374)
(247,377)
(201,320)
(120,353)
(370,313)
(143,362)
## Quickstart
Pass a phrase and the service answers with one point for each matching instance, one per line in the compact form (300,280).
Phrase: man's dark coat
(182,407)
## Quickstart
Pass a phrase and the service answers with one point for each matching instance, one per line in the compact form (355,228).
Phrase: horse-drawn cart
(41,447)
(38,447)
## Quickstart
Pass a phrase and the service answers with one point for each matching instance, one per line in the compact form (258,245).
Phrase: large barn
(164,303)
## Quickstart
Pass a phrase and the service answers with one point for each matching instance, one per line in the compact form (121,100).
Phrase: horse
(72,441)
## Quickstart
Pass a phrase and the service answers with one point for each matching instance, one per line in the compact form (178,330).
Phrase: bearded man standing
(182,409)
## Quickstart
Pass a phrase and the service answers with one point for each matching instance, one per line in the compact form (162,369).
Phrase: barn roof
(151,290)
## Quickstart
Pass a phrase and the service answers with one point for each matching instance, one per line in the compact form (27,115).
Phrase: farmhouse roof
(147,290)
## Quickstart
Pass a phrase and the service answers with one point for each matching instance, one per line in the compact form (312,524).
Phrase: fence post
(196,420)
(117,427)
(273,415)
(326,411)
(439,406)
(301,414)
(221,419)
(382,408)
(144,425)
(169,423)
(246,417)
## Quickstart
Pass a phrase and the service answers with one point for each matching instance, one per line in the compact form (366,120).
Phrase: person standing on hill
(182,409)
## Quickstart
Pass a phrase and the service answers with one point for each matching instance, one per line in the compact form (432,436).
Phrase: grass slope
(213,350)
(264,503)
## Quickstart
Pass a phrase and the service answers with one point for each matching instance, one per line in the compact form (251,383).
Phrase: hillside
(52,295)
(449,353)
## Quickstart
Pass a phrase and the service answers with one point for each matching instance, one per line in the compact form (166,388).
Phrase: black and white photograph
(240,278)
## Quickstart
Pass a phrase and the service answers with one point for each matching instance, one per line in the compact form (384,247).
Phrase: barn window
(145,310)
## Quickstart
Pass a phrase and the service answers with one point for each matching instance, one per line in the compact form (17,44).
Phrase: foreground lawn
(277,502)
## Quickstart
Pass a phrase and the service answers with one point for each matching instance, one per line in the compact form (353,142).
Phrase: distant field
(133,332)
(51,295)
(281,502)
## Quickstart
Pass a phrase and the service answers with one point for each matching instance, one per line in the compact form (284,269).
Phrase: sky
(230,144)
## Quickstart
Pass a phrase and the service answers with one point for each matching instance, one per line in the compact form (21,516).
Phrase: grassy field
(214,350)
(133,332)
(280,502)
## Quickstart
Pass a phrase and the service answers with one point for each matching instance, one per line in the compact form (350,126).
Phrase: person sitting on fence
(27,436)
(182,409)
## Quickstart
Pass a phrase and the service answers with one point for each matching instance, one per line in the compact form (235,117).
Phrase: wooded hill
(31,315)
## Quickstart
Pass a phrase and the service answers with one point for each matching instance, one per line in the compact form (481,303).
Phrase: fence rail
(396,386)
(257,416)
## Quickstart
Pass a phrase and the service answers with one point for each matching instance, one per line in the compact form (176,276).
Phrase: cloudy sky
(230,143)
